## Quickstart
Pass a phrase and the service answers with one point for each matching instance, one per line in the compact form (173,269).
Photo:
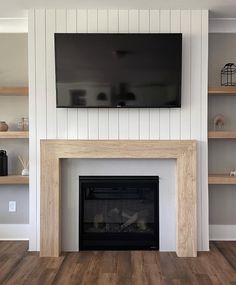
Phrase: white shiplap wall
(189,122)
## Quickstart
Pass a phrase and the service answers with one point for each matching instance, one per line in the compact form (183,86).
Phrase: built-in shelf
(221,179)
(222,135)
(14,135)
(14,179)
(14,91)
(222,90)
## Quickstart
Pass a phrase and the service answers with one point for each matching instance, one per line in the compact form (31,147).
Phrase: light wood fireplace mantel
(184,151)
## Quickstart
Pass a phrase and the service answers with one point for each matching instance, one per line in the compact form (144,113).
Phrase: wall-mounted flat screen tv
(118,70)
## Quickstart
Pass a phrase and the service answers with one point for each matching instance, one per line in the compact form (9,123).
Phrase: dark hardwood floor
(17,266)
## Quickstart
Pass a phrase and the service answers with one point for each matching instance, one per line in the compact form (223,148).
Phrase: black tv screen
(118,70)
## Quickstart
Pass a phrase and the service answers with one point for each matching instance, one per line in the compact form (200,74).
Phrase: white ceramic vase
(25,172)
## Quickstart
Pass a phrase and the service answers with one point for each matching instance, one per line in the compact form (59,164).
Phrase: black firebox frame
(119,241)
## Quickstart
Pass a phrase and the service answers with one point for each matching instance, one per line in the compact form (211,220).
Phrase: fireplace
(54,151)
(118,212)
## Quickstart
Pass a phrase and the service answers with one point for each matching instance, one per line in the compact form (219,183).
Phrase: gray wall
(14,59)
(14,72)
(222,154)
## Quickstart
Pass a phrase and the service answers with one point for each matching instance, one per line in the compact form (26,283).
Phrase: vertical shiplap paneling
(41,91)
(123,21)
(103,123)
(93,122)
(62,113)
(82,124)
(113,114)
(196,22)
(134,112)
(82,27)
(133,21)
(154,21)
(93,118)
(175,119)
(195,73)
(144,119)
(103,112)
(154,112)
(165,113)
(92,20)
(102,21)
(186,76)
(144,26)
(144,122)
(33,202)
(154,124)
(72,113)
(203,207)
(123,27)
(50,74)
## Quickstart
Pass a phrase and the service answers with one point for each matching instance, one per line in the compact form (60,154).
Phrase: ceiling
(217,8)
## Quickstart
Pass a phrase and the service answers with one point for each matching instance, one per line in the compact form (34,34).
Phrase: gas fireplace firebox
(118,212)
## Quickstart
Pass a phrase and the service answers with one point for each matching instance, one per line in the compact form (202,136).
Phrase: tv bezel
(121,107)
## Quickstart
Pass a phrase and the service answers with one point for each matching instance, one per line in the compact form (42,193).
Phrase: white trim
(13,25)
(223,232)
(14,231)
(222,25)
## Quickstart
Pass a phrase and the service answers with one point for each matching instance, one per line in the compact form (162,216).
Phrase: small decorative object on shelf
(232,172)
(3,126)
(102,96)
(3,163)
(219,122)
(25,164)
(228,75)
(23,125)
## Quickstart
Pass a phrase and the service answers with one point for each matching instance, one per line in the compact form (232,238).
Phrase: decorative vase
(23,124)
(25,172)
(3,126)
(3,163)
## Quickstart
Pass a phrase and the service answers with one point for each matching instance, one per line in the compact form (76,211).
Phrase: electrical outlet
(12,206)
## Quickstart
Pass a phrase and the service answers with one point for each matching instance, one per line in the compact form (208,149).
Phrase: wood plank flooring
(17,266)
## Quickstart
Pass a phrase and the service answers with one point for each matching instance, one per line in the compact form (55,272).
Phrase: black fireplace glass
(119,212)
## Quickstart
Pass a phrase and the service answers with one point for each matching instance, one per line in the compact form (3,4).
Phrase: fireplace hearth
(118,212)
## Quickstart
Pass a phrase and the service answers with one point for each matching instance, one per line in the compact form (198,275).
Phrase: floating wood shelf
(14,91)
(221,179)
(14,135)
(222,90)
(14,179)
(222,135)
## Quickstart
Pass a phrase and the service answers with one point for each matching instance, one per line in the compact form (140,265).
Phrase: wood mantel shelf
(184,151)
(14,179)
(14,135)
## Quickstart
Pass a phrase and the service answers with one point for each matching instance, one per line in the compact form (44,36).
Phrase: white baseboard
(223,232)
(14,231)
